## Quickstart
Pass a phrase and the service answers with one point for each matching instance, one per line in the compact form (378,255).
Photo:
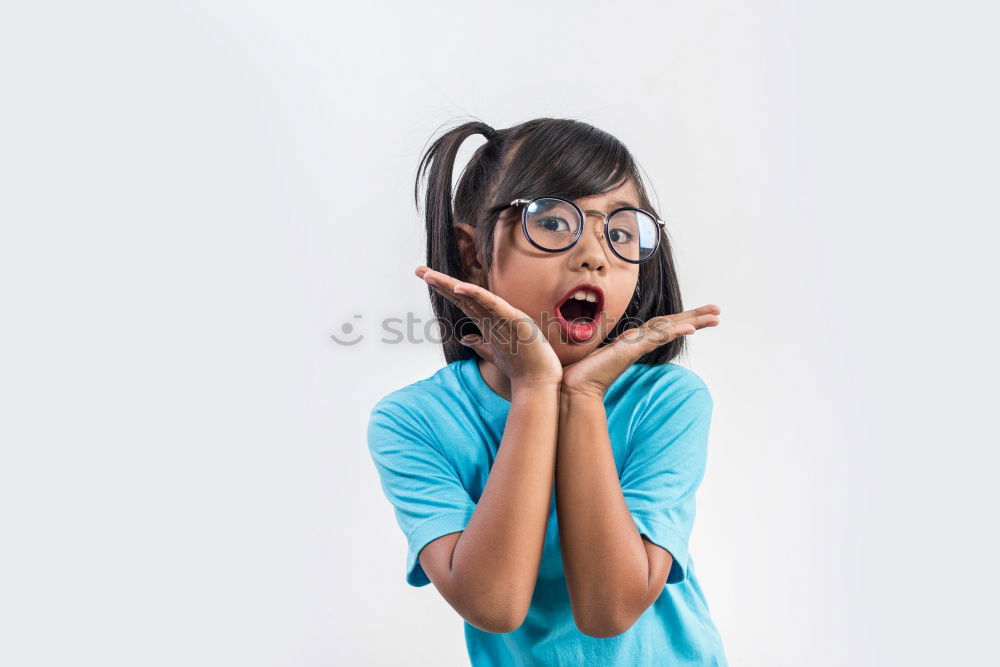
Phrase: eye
(552,224)
(621,236)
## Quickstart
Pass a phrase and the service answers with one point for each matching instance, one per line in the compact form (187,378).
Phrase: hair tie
(489,132)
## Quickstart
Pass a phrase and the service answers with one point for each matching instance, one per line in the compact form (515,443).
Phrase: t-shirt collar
(491,402)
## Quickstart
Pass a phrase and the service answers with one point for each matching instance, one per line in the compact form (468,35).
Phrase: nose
(590,252)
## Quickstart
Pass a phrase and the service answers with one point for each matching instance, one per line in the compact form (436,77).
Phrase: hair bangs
(571,160)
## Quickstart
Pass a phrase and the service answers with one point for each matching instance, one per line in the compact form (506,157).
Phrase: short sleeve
(424,488)
(664,468)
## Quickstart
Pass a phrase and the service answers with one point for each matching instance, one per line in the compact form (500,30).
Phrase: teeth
(584,295)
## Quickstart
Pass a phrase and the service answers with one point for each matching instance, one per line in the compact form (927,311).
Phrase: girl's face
(538,282)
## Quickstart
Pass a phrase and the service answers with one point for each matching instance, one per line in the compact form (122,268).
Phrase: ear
(465,238)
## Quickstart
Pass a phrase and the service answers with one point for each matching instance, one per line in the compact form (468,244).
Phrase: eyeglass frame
(583,217)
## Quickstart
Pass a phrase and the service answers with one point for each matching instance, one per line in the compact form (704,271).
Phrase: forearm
(605,562)
(497,557)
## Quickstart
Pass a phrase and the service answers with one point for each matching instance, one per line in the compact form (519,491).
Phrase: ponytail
(443,254)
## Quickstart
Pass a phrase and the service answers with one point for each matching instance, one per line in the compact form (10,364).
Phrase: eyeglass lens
(555,225)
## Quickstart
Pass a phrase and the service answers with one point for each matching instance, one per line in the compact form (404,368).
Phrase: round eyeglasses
(554,224)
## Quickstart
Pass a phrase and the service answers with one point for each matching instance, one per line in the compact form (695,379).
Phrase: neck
(497,381)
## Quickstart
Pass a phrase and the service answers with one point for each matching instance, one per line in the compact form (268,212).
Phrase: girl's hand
(593,374)
(513,341)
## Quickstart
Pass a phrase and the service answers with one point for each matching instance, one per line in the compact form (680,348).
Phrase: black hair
(544,156)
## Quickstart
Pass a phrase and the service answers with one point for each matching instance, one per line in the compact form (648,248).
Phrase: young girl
(545,477)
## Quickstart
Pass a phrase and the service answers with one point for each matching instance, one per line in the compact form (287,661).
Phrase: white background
(196,195)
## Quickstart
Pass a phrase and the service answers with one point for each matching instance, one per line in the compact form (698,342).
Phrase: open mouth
(579,311)
(576,311)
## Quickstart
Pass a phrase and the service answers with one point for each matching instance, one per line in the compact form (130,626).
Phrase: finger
(488,324)
(497,315)
(706,321)
(459,300)
(691,315)
(692,324)
(448,283)
(441,281)
(467,306)
(699,322)
(658,331)
(706,316)
(489,301)
(438,277)
(709,309)
(632,343)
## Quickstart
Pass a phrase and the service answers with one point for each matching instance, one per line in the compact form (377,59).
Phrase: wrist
(534,386)
(571,392)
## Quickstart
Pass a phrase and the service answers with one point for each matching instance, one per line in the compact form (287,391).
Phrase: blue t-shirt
(433,443)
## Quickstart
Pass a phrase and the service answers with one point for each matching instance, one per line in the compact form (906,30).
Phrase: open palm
(510,340)
(596,372)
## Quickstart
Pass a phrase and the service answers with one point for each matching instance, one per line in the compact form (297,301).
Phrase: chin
(570,353)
